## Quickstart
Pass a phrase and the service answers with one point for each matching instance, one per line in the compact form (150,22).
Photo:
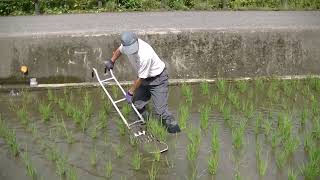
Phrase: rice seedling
(237,137)
(226,113)
(50,95)
(204,88)
(23,115)
(291,144)
(157,129)
(275,140)
(242,86)
(87,104)
(214,100)
(72,173)
(287,88)
(94,132)
(292,174)
(123,178)
(267,127)
(108,169)
(221,84)
(115,92)
(308,142)
(259,83)
(258,123)
(187,92)
(31,171)
(120,149)
(215,144)
(93,157)
(204,116)
(136,160)
(193,147)
(157,156)
(316,129)
(106,105)
(314,83)
(61,166)
(102,118)
(315,108)
(248,109)
(126,109)
(213,163)
(261,163)
(45,111)
(26,96)
(121,127)
(69,109)
(62,103)
(11,140)
(183,115)
(304,116)
(233,97)
(284,125)
(281,159)
(68,135)
(77,116)
(52,153)
(194,173)
(153,171)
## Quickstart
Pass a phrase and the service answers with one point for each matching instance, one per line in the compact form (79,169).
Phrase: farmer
(152,79)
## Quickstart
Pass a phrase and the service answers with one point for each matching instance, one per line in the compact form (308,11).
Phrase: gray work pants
(155,88)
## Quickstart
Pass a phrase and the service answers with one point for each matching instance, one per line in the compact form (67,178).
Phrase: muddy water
(173,163)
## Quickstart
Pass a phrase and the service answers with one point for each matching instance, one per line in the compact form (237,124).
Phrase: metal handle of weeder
(114,103)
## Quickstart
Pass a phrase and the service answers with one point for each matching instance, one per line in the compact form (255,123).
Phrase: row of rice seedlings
(153,171)
(108,170)
(9,137)
(45,111)
(156,129)
(194,136)
(204,88)
(184,115)
(136,160)
(262,164)
(221,84)
(31,171)
(204,116)
(242,86)
(186,92)
(213,161)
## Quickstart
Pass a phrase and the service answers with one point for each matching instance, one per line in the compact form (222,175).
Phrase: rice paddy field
(257,129)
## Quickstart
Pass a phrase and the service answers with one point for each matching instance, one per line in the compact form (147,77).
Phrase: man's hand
(129,97)
(109,64)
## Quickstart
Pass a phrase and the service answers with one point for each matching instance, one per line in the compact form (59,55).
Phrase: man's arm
(135,85)
(115,55)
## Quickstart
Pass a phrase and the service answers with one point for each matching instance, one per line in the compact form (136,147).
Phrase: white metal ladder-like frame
(114,103)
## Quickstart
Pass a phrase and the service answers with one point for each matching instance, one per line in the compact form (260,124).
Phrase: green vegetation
(72,174)
(153,171)
(156,129)
(261,163)
(213,163)
(93,157)
(120,149)
(136,160)
(31,171)
(204,88)
(45,111)
(23,115)
(221,84)
(204,116)
(186,92)
(242,86)
(183,115)
(194,137)
(108,170)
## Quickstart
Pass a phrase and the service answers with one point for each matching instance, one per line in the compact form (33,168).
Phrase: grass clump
(45,111)
(261,163)
(238,133)
(204,116)
(311,169)
(61,166)
(213,163)
(121,127)
(204,88)
(215,144)
(292,175)
(22,114)
(102,118)
(72,174)
(214,100)
(120,149)
(31,171)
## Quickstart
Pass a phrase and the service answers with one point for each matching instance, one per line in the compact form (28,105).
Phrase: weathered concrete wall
(196,54)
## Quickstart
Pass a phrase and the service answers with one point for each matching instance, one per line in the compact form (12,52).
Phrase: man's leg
(159,95)
(140,100)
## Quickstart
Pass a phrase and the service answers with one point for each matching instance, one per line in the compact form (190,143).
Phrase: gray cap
(129,41)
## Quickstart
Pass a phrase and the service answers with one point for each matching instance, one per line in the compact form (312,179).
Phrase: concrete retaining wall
(188,54)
